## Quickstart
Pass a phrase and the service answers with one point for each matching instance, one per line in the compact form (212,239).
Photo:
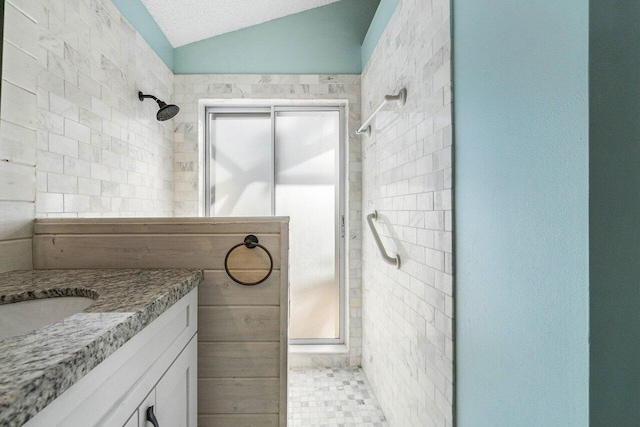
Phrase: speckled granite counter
(38,367)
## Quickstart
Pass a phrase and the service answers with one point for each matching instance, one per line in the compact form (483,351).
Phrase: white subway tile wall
(189,89)
(408,313)
(18,130)
(100,151)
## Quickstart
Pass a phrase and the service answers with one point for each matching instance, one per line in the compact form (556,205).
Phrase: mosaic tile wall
(407,170)
(100,151)
(189,89)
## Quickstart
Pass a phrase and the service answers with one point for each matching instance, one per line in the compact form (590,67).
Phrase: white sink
(22,317)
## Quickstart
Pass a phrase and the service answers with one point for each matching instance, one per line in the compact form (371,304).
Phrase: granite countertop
(38,367)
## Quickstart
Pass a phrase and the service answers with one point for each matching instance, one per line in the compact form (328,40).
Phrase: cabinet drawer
(257,323)
(238,359)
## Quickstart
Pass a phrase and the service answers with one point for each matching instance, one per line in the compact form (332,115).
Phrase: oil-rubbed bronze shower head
(166,111)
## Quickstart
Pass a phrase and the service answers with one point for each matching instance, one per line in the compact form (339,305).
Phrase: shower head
(166,111)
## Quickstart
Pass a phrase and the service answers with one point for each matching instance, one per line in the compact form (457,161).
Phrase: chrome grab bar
(400,98)
(385,256)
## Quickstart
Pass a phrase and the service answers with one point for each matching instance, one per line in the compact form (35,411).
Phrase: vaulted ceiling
(260,36)
(188,21)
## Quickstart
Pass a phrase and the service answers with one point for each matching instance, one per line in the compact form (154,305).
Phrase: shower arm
(142,96)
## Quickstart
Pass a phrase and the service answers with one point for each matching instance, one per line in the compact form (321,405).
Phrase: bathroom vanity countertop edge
(38,367)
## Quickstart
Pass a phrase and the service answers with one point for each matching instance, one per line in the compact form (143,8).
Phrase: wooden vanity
(242,330)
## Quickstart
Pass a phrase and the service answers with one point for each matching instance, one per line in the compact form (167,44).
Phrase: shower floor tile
(332,397)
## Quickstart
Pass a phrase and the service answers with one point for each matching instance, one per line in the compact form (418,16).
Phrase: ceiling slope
(188,21)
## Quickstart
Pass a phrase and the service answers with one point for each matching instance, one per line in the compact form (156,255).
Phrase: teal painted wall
(521,212)
(377,27)
(143,22)
(325,40)
(322,40)
(614,206)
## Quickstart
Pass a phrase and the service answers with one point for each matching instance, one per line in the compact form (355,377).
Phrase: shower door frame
(272,110)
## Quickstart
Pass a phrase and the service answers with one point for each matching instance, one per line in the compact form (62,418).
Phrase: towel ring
(250,242)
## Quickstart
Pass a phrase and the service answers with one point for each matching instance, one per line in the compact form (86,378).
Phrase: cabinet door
(176,393)
(149,401)
(133,421)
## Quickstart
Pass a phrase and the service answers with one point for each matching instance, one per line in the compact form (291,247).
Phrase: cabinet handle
(151,417)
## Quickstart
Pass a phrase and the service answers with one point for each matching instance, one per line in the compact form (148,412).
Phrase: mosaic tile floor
(332,397)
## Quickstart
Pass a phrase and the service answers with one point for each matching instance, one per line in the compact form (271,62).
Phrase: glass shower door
(307,190)
(287,161)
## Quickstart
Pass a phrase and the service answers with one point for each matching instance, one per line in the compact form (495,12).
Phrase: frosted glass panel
(307,147)
(305,179)
(241,164)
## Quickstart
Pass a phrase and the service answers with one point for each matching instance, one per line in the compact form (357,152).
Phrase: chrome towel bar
(400,98)
(385,256)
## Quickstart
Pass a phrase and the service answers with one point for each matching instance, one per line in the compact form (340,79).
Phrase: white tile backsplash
(408,313)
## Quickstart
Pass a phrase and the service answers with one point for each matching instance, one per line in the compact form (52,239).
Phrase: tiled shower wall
(408,313)
(18,134)
(100,151)
(189,89)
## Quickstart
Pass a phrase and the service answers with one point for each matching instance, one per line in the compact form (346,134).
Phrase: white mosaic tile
(332,397)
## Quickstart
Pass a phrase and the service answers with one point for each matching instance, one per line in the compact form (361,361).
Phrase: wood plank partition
(242,330)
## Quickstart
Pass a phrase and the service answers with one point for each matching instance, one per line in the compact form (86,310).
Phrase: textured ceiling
(188,21)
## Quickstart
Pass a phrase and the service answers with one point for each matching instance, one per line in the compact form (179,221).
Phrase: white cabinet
(176,403)
(174,398)
(157,367)
(141,412)
(133,421)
